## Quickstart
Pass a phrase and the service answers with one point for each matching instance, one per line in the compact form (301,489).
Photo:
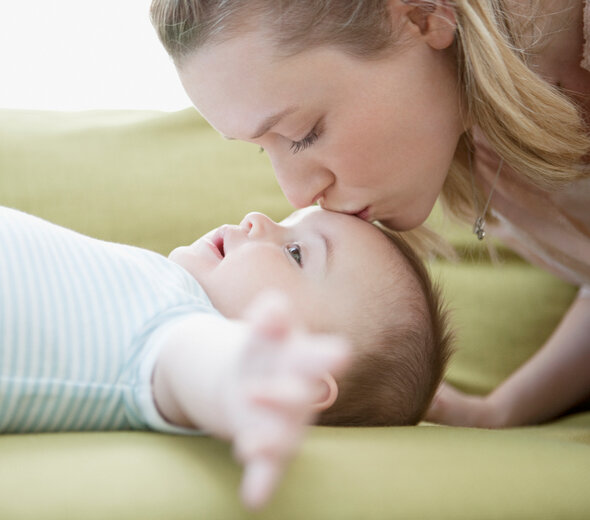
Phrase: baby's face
(330,265)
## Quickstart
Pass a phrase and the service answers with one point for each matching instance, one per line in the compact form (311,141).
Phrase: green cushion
(501,314)
(158,180)
(357,473)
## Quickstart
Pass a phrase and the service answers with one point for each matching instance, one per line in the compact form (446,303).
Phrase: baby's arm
(252,382)
(553,380)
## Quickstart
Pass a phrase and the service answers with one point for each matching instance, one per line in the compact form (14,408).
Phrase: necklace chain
(480,220)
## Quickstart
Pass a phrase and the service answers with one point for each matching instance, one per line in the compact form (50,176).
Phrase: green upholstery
(155,180)
(158,180)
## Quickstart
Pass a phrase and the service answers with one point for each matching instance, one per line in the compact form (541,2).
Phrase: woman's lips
(364,214)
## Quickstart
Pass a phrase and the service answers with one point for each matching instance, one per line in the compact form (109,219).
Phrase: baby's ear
(328,393)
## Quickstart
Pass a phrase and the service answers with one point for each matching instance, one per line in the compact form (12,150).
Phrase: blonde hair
(361,28)
(537,129)
(398,363)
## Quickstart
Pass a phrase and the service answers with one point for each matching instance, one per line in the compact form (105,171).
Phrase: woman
(378,107)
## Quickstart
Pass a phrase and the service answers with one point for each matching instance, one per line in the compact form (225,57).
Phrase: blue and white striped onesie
(77,323)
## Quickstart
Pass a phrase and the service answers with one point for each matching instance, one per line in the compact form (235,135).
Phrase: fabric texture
(76,327)
(159,180)
(411,473)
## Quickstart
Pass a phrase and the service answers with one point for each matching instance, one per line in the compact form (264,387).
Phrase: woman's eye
(306,142)
(295,251)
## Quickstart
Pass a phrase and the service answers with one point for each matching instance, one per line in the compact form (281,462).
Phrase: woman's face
(368,137)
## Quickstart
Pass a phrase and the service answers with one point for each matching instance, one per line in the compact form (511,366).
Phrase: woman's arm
(253,383)
(556,378)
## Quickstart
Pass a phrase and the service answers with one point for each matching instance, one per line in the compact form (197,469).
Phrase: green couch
(158,180)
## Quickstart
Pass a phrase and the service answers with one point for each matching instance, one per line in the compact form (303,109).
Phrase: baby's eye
(295,251)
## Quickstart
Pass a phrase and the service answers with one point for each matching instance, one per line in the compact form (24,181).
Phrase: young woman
(379,107)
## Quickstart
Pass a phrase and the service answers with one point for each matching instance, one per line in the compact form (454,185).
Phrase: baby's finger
(270,315)
(313,355)
(288,396)
(260,479)
(271,437)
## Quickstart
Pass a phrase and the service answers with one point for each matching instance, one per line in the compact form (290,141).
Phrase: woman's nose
(258,224)
(303,182)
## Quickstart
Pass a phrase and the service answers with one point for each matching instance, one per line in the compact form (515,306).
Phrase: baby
(232,335)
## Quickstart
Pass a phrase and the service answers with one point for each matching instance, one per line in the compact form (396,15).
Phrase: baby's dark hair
(397,368)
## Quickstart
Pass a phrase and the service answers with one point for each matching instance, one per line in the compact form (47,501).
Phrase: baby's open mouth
(218,242)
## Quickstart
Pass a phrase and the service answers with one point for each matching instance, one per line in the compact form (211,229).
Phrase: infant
(249,334)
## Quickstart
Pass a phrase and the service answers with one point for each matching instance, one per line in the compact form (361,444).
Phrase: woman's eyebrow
(271,121)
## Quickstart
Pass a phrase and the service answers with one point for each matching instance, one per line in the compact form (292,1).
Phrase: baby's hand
(280,375)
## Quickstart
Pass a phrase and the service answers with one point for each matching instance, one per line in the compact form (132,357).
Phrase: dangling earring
(480,220)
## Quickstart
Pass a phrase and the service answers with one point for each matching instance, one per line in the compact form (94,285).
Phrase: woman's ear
(434,20)
(328,393)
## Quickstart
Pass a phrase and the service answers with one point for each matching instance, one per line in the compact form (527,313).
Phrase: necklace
(480,221)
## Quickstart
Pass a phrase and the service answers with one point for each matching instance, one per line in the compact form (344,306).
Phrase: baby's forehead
(298,215)
(357,243)
(370,280)
(383,268)
(331,222)
(385,291)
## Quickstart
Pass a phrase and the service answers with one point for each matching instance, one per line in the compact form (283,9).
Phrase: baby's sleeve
(140,404)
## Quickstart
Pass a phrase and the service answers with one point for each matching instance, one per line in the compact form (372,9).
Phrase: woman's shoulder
(545,14)
(553,34)
(556,37)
